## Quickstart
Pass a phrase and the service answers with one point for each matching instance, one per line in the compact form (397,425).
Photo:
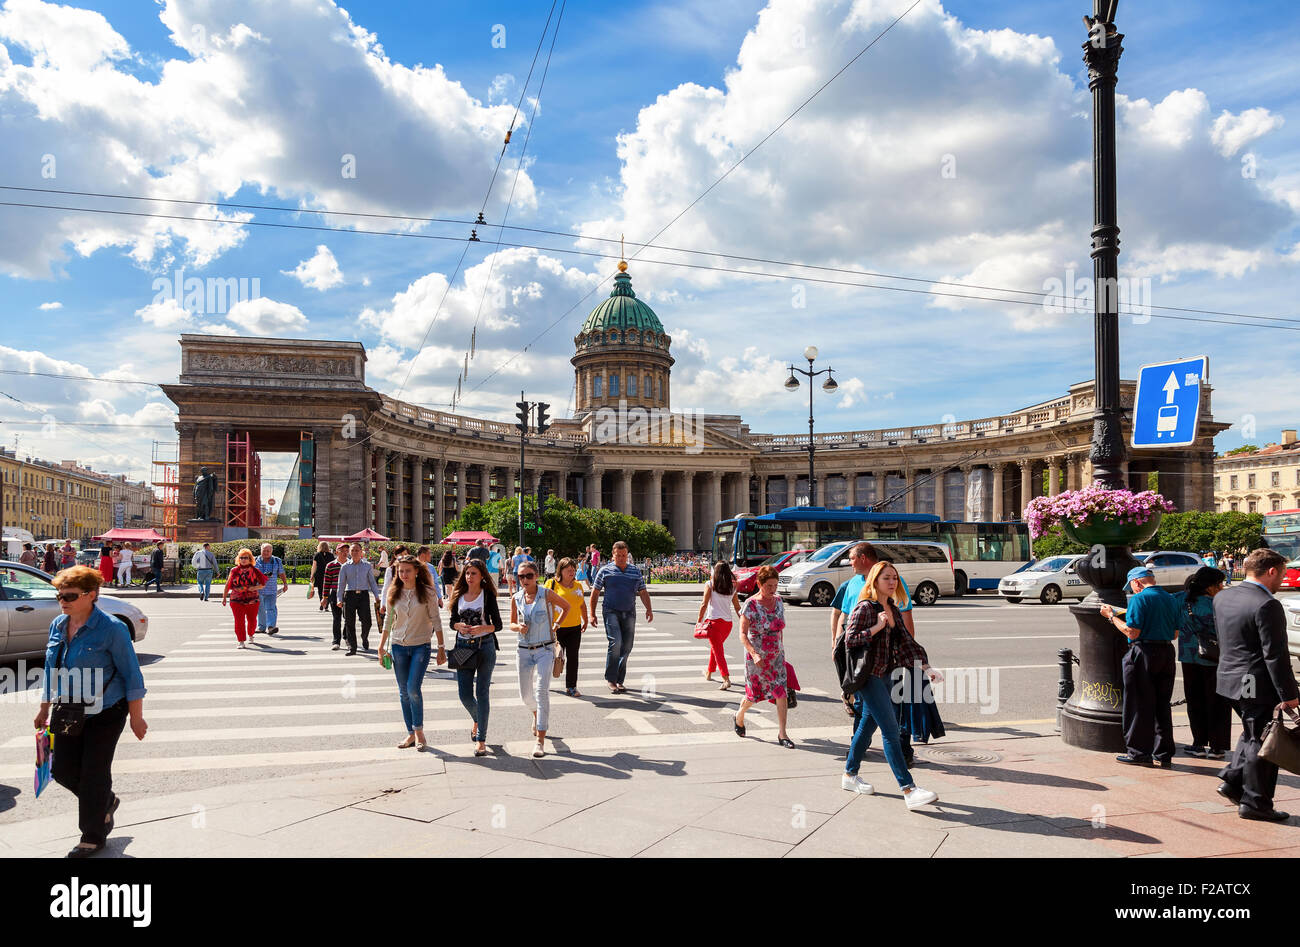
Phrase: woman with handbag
(242,589)
(1209,715)
(762,622)
(93,681)
(530,617)
(476,619)
(876,644)
(714,619)
(569,631)
(413,618)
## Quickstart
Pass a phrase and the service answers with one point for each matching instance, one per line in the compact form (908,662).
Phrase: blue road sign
(1167,408)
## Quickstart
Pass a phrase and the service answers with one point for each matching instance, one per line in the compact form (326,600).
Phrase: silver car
(1049,580)
(1171,568)
(28,605)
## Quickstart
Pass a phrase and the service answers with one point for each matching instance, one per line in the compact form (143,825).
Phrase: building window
(1277,505)
(1216,484)
(599,385)
(649,387)
(1250,480)
(1275,478)
(613,386)
(1252,507)
(1232,482)
(659,396)
(631,385)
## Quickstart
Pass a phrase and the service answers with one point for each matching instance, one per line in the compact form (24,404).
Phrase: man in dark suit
(1255,674)
(156,565)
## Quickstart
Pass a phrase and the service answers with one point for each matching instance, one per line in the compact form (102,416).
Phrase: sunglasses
(528,575)
(70,596)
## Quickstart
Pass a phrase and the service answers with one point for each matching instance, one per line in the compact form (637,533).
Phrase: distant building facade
(54,501)
(1259,481)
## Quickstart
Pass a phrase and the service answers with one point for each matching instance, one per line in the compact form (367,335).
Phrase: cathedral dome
(622,353)
(622,311)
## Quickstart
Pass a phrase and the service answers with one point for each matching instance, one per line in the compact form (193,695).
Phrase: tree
(566,528)
(1243,449)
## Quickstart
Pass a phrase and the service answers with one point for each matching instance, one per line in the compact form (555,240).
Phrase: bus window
(723,538)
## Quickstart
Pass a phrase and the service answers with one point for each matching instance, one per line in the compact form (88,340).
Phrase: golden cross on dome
(622,263)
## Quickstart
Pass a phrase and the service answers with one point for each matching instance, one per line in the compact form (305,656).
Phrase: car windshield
(826,552)
(772,559)
(1055,564)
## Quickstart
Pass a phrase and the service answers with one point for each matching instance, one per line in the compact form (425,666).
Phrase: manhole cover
(939,755)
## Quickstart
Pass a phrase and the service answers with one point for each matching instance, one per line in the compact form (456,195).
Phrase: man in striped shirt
(329,591)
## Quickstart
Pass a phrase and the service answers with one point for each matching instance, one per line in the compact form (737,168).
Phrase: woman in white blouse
(412,619)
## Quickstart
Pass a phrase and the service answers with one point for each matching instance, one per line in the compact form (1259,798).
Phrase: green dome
(622,310)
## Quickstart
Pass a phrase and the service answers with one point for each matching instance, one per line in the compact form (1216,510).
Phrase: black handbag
(67,718)
(1207,644)
(464,657)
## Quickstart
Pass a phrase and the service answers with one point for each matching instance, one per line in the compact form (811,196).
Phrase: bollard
(1065,682)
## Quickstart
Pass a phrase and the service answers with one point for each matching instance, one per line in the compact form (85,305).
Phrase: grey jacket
(1254,663)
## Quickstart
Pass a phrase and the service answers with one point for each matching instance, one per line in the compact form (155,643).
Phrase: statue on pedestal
(205,494)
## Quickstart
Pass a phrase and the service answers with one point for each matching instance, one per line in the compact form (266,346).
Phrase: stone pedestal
(201,531)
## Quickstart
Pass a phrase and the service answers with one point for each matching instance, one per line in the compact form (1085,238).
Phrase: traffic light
(543,422)
(542,495)
(522,415)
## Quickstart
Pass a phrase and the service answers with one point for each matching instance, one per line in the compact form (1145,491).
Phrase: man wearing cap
(1151,625)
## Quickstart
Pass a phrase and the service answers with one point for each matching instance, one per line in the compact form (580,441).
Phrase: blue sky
(644,105)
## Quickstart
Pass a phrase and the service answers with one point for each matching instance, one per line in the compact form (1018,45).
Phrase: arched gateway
(368,460)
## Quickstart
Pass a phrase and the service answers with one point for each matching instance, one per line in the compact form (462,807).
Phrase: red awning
(367,535)
(468,537)
(133,536)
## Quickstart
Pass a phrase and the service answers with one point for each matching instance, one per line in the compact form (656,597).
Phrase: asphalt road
(218,715)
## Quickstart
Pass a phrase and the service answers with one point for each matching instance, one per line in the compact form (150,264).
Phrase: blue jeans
(472,686)
(156,580)
(205,583)
(409,664)
(534,666)
(267,611)
(620,629)
(876,709)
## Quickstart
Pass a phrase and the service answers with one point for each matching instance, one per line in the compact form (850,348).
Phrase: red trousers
(719,629)
(245,619)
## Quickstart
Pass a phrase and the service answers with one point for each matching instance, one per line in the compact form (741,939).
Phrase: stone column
(654,502)
(791,481)
(592,487)
(462,492)
(399,524)
(938,493)
(625,491)
(1026,486)
(999,498)
(685,531)
(762,494)
(1053,476)
(712,511)
(321,512)
(439,500)
(419,525)
(909,479)
(511,489)
(381,491)
(485,484)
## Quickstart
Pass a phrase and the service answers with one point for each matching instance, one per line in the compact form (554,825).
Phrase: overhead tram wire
(556,233)
(519,168)
(1269,322)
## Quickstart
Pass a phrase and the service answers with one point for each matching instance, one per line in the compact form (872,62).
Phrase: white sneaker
(539,751)
(920,797)
(242,646)
(856,783)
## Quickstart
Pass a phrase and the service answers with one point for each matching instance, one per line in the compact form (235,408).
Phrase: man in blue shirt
(268,613)
(622,582)
(357,586)
(1151,625)
(863,556)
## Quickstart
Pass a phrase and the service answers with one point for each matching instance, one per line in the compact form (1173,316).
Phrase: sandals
(740,731)
(420,746)
(726,686)
(482,752)
(407,743)
(613,688)
(786,742)
(622,689)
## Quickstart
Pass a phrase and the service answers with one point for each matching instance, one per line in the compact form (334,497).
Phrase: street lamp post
(1091,718)
(830,387)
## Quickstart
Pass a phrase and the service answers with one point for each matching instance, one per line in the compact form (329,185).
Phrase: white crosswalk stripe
(319,707)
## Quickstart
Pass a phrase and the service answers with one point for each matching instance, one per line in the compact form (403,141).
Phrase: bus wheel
(927,593)
(821,595)
(961,582)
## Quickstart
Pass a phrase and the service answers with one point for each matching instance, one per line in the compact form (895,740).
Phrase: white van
(925,567)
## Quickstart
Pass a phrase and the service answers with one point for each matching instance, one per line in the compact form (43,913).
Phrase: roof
(622,310)
(134,535)
(468,537)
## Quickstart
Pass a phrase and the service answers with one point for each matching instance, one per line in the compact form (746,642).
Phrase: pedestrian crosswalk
(290,701)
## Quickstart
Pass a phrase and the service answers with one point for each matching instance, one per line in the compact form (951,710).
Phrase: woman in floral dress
(762,622)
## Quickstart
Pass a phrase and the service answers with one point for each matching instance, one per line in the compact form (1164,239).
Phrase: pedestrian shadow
(147,659)
(1009,731)
(115,847)
(8,797)
(998,774)
(986,817)
(263,649)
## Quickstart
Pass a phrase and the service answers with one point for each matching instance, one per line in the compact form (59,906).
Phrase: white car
(28,605)
(1291,605)
(926,568)
(1048,580)
(1171,568)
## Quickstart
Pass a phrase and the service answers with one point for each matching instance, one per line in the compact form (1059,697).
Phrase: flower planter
(1111,531)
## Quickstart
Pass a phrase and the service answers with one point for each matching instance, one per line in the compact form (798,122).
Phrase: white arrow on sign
(1170,387)
(635,719)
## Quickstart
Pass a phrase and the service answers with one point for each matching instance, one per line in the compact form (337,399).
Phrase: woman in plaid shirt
(877,625)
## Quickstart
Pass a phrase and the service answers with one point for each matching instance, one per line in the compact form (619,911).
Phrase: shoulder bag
(465,657)
(702,627)
(1281,744)
(1207,645)
(557,666)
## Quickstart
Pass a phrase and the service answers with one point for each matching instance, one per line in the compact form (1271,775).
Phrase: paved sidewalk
(1013,790)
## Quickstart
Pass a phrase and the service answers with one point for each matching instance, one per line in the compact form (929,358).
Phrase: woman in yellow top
(568,588)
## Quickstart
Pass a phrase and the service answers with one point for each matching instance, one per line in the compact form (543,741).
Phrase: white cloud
(53,305)
(291,98)
(262,316)
(321,272)
(1232,132)
(167,314)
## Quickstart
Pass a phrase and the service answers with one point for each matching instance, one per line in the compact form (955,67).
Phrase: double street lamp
(830,387)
